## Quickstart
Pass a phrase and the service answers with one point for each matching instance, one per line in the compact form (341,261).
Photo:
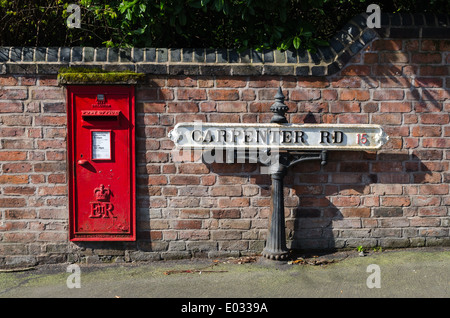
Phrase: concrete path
(408,273)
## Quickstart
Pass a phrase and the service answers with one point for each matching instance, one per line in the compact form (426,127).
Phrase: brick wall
(398,77)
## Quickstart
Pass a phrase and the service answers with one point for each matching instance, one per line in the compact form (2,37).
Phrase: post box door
(101,133)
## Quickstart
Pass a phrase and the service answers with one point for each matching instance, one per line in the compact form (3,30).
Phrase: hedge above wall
(161,61)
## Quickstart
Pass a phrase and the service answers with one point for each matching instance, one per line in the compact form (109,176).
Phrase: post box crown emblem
(101,193)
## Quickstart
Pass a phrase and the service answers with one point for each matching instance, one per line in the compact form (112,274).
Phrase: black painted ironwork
(275,248)
(278,162)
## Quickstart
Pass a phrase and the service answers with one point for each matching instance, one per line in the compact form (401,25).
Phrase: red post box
(101,156)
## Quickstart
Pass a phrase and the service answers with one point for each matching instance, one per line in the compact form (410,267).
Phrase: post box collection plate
(101,148)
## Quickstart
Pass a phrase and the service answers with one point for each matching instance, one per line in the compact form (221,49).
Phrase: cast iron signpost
(277,145)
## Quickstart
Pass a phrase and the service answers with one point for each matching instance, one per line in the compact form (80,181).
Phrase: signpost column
(276,241)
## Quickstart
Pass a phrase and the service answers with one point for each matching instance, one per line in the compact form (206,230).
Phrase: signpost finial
(279,108)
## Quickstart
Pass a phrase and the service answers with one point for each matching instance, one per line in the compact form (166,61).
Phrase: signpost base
(275,248)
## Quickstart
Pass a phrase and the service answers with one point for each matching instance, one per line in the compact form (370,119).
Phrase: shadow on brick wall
(358,198)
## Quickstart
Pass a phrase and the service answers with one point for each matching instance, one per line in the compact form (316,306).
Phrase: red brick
(388,95)
(387,166)
(49,166)
(394,57)
(319,82)
(395,201)
(207,107)
(191,94)
(347,82)
(329,94)
(193,168)
(359,70)
(13,179)
(13,155)
(157,180)
(194,214)
(47,93)
(421,107)
(387,70)
(226,190)
(182,82)
(232,107)
(57,178)
(248,94)
(354,94)
(230,82)
(426,131)
(183,180)
(437,119)
(11,131)
(8,81)
(353,118)
(391,45)
(223,94)
(264,81)
(358,212)
(370,58)
(428,70)
(13,93)
(432,211)
(305,94)
(433,189)
(208,180)
(166,94)
(402,82)
(187,224)
(183,107)
(345,107)
(151,107)
(344,201)
(54,190)
(11,107)
(12,202)
(387,119)
(395,107)
(426,58)
(206,82)
(233,202)
(428,82)
(226,213)
(435,94)
(436,143)
(19,237)
(50,120)
(16,167)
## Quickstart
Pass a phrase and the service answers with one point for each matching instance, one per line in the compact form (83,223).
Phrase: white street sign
(201,135)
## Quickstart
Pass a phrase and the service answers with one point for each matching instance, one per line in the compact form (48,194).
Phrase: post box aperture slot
(101,145)
(100,117)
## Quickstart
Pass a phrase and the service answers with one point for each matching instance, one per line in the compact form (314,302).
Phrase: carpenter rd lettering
(285,137)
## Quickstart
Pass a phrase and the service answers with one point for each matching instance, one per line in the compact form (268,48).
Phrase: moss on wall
(84,76)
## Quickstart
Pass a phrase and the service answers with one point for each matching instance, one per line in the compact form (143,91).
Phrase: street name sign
(238,136)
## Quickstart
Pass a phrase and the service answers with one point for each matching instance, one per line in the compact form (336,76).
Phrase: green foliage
(240,24)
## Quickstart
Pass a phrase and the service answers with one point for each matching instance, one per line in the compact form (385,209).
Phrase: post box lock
(101,145)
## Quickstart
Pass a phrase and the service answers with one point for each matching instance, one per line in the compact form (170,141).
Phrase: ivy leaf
(296,42)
